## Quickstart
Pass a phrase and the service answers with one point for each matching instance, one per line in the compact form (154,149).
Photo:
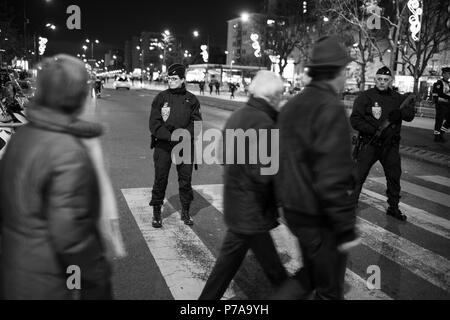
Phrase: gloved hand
(395,116)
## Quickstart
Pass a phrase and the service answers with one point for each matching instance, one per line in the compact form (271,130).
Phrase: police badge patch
(165,111)
(377,111)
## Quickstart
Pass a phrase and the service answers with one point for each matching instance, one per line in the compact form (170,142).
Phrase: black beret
(177,70)
(446,69)
(385,71)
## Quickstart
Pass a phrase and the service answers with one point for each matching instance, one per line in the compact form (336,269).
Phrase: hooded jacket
(49,209)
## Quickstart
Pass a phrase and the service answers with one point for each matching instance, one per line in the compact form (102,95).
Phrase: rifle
(387,125)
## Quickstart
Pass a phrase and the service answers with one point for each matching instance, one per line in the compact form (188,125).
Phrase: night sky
(114,22)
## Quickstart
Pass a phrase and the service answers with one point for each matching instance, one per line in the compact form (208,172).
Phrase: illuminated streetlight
(196,34)
(325,19)
(245,17)
(167,32)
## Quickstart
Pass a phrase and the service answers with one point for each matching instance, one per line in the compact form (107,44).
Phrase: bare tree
(433,37)
(349,19)
(288,30)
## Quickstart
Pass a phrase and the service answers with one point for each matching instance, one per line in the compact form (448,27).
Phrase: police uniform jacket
(373,106)
(441,91)
(181,109)
(316,180)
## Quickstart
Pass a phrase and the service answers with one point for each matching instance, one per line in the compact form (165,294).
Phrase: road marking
(421,192)
(287,245)
(184,261)
(420,261)
(437,179)
(418,217)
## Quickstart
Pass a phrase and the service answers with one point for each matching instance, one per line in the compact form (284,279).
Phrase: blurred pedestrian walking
(441,99)
(250,207)
(50,197)
(315,183)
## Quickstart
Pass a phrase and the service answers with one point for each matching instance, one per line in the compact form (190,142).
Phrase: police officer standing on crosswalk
(173,109)
(377,115)
(441,99)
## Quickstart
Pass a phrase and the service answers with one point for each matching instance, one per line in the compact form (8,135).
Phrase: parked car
(122,82)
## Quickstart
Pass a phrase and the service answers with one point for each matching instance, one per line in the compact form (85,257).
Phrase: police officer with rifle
(377,116)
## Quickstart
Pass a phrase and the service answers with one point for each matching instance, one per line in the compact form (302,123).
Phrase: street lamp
(92,46)
(245,16)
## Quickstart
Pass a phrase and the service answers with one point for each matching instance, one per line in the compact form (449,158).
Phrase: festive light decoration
(42,45)
(254,37)
(205,53)
(415,21)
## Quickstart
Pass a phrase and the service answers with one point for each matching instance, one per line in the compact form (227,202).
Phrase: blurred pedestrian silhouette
(50,196)
(250,207)
(315,183)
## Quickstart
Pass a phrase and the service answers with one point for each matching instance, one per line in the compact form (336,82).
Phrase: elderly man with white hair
(250,206)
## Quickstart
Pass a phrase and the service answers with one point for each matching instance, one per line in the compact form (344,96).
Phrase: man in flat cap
(377,116)
(315,183)
(441,99)
(173,109)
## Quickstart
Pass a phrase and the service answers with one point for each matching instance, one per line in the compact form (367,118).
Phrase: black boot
(396,213)
(186,217)
(157,221)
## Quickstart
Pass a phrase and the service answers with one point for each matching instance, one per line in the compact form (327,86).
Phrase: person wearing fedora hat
(441,99)
(371,110)
(173,109)
(315,182)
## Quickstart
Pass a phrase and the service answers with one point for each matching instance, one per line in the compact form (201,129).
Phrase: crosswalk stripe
(184,261)
(420,261)
(437,179)
(419,191)
(418,217)
(287,244)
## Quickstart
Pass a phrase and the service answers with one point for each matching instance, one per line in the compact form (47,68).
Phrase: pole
(92,50)
(25,28)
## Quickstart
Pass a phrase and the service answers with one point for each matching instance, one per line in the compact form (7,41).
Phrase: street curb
(422,155)
(430,157)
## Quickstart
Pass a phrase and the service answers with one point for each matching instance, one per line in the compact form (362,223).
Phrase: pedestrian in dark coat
(250,207)
(315,183)
(211,88)
(173,109)
(49,195)
(370,110)
(201,85)
(217,85)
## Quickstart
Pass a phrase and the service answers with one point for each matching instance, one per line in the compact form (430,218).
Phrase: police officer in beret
(377,115)
(173,109)
(441,99)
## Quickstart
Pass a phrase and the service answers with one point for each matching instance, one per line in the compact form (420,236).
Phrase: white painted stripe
(437,179)
(417,217)
(420,261)
(287,244)
(184,261)
(421,192)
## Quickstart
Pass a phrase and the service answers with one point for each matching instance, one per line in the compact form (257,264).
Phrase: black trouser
(163,162)
(323,270)
(232,254)
(389,157)
(442,113)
